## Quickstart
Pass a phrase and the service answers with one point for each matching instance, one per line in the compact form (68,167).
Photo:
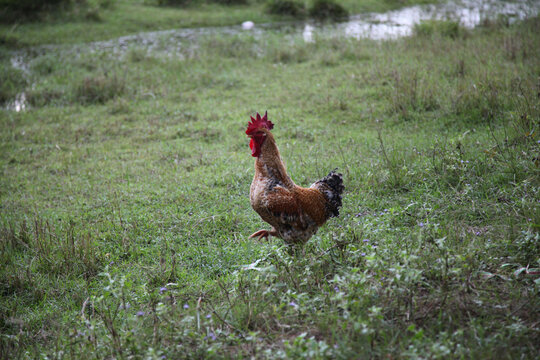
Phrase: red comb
(259,122)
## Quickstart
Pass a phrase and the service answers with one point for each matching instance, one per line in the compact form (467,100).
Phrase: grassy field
(124,206)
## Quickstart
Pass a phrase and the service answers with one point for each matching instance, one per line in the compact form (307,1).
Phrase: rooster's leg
(263,234)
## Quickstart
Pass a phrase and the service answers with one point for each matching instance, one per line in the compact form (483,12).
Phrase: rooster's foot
(261,234)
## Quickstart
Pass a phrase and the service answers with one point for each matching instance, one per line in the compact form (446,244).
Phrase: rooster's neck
(269,163)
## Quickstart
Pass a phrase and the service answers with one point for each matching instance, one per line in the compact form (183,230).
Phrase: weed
(413,92)
(100,88)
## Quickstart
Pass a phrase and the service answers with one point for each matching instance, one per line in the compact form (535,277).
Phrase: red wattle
(255,151)
(252,146)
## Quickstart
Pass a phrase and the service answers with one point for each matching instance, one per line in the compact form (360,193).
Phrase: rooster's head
(257,130)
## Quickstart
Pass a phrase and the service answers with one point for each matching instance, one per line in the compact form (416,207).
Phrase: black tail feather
(332,187)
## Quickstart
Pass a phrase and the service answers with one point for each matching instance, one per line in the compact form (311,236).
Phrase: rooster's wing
(294,213)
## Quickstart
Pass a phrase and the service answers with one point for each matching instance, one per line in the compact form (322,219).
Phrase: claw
(261,234)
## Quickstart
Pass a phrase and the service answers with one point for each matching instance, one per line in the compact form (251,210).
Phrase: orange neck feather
(269,162)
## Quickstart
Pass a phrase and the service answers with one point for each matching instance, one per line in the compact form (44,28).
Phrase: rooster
(295,213)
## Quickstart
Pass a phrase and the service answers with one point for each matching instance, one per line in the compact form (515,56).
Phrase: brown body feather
(294,212)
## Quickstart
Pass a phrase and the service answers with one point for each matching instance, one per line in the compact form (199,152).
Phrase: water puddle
(378,26)
(469,13)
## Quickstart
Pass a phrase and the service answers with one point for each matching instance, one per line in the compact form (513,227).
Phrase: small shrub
(285,7)
(100,89)
(327,10)
(445,28)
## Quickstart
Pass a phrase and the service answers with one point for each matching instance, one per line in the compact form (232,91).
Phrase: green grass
(124,219)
